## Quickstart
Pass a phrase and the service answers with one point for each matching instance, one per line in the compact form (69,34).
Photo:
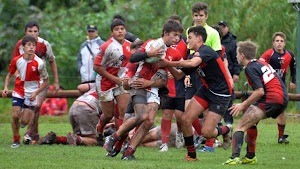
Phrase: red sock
(16,139)
(136,128)
(119,143)
(197,126)
(130,150)
(165,130)
(117,114)
(61,140)
(120,122)
(280,130)
(251,139)
(79,140)
(209,142)
(101,125)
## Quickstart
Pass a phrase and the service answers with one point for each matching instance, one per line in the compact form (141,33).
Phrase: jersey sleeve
(99,58)
(293,68)
(131,69)
(49,53)
(265,57)
(214,41)
(253,77)
(43,71)
(13,66)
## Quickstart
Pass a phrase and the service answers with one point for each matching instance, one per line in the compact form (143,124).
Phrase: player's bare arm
(237,108)
(143,83)
(101,71)
(55,76)
(6,84)
(32,97)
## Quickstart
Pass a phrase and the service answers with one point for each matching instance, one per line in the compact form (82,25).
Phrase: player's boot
(283,140)
(109,143)
(179,140)
(188,158)
(198,141)
(235,161)
(50,138)
(251,161)
(15,145)
(164,147)
(207,149)
(27,139)
(129,157)
(227,138)
(113,153)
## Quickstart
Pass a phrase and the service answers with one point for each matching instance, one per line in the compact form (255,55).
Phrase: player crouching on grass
(269,99)
(27,85)
(84,115)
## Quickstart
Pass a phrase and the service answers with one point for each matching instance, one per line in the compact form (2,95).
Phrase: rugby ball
(155,44)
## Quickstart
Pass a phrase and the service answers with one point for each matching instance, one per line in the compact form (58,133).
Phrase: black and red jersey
(212,72)
(261,75)
(281,62)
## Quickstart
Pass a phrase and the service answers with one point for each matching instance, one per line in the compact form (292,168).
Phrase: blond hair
(248,48)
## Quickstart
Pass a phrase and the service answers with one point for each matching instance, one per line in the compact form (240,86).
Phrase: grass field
(269,153)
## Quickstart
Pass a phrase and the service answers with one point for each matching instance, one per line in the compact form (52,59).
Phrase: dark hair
(170,26)
(199,30)
(31,24)
(197,7)
(28,38)
(219,30)
(175,17)
(281,34)
(119,17)
(136,45)
(116,23)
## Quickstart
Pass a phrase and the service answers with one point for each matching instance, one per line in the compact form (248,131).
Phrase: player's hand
(235,109)
(170,76)
(118,81)
(126,83)
(155,52)
(196,54)
(187,81)
(231,81)
(235,78)
(292,86)
(140,83)
(4,93)
(55,87)
(32,96)
(161,63)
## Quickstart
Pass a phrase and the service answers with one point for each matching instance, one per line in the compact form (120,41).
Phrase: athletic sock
(101,123)
(79,140)
(237,143)
(197,126)
(129,151)
(16,139)
(251,140)
(115,136)
(280,130)
(119,143)
(120,122)
(61,140)
(209,142)
(189,144)
(136,128)
(165,130)
(222,130)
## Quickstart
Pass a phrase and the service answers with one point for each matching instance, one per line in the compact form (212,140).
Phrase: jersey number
(268,74)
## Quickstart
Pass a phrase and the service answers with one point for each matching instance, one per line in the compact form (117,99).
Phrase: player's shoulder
(19,43)
(106,44)
(43,41)
(290,52)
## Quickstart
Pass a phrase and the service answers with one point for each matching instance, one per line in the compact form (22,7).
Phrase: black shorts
(190,92)
(271,109)
(215,103)
(174,103)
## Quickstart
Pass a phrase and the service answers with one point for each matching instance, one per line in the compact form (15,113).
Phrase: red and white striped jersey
(31,72)
(43,50)
(113,58)
(91,98)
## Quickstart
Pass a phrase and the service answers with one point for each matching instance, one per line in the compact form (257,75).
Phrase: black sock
(237,143)
(189,143)
(250,155)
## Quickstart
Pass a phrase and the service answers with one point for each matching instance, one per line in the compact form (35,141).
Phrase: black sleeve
(138,56)
(188,71)
(293,68)
(253,77)
(130,37)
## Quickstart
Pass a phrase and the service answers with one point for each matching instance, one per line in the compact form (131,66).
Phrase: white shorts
(153,98)
(110,94)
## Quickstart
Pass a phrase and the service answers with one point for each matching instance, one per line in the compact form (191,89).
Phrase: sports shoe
(198,141)
(50,138)
(15,145)
(164,147)
(109,143)
(206,149)
(251,161)
(100,139)
(71,139)
(113,153)
(179,140)
(283,140)
(218,143)
(27,139)
(227,138)
(128,157)
(124,147)
(235,161)
(188,158)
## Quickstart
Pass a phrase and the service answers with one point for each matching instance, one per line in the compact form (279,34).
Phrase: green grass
(269,153)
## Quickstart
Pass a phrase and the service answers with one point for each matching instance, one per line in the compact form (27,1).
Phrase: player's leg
(166,122)
(251,117)
(281,122)
(179,140)
(15,125)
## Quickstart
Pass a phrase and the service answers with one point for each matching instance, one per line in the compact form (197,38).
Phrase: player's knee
(207,133)
(15,116)
(149,123)
(24,121)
